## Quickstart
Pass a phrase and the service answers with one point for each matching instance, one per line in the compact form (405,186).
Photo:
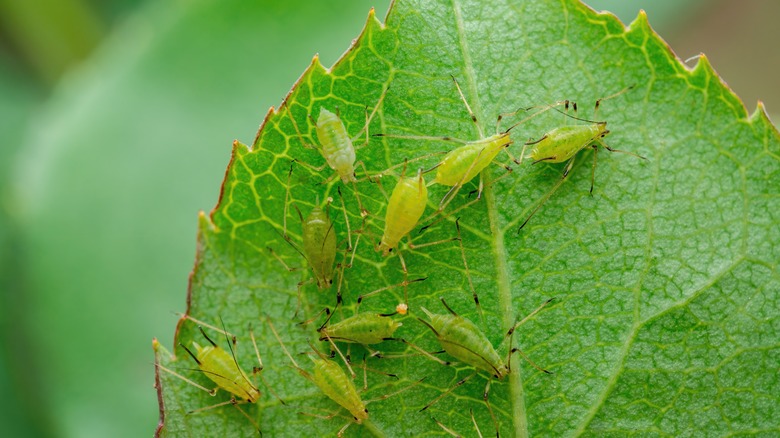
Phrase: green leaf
(666,319)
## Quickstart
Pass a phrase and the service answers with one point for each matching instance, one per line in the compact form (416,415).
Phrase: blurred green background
(116,122)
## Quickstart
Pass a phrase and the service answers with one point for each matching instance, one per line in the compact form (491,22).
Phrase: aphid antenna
(468,107)
(205,324)
(542,109)
(578,118)
(424,138)
(447,392)
(212,392)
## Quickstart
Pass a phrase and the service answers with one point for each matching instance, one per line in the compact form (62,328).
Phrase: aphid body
(334,382)
(363,328)
(337,147)
(562,143)
(221,367)
(319,246)
(404,209)
(462,164)
(463,340)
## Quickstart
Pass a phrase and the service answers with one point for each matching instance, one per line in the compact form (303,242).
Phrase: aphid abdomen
(334,382)
(363,328)
(337,148)
(464,341)
(219,366)
(464,163)
(319,246)
(562,143)
(406,206)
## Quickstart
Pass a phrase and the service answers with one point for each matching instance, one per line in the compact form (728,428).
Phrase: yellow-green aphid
(404,208)
(221,367)
(463,340)
(337,147)
(563,143)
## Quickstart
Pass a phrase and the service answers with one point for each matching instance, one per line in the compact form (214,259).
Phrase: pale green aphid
(318,245)
(463,340)
(337,147)
(363,328)
(222,368)
(563,143)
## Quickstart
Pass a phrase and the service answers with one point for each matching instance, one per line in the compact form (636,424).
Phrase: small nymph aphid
(464,341)
(337,147)
(563,143)
(222,368)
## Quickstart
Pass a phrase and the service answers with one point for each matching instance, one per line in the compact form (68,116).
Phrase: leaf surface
(666,318)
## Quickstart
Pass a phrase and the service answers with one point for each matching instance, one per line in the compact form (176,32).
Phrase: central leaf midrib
(517,398)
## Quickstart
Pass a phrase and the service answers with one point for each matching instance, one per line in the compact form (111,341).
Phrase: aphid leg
(370,117)
(346,217)
(557,185)
(446,429)
(382,289)
(476,426)
(485,396)
(295,126)
(258,370)
(316,169)
(468,273)
(445,393)
(363,211)
(235,404)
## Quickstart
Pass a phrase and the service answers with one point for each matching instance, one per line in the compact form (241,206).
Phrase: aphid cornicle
(337,147)
(463,340)
(563,143)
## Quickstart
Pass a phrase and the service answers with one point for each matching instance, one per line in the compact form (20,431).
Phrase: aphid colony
(328,254)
